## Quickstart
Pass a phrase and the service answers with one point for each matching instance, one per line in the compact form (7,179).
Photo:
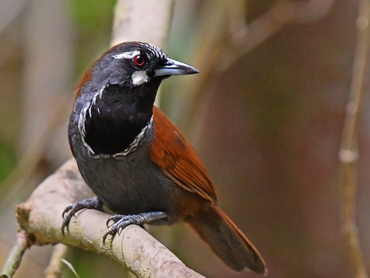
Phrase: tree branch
(41,218)
(348,153)
(16,254)
(54,269)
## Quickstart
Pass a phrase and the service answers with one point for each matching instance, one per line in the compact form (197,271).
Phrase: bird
(138,163)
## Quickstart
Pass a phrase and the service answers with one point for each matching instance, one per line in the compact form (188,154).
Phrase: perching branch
(348,154)
(41,219)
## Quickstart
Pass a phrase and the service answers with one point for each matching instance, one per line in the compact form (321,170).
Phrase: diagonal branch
(41,218)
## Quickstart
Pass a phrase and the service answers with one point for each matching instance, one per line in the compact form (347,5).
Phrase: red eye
(140,60)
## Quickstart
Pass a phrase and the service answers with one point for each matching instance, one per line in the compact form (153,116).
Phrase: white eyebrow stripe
(127,55)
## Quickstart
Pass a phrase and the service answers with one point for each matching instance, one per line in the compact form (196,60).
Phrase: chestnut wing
(177,158)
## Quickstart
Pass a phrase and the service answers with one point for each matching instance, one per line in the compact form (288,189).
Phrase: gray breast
(131,183)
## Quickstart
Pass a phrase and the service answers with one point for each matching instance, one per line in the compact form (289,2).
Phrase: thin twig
(15,255)
(54,269)
(348,154)
(227,50)
(279,15)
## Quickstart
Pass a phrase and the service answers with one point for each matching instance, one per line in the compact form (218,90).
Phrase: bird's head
(114,100)
(132,64)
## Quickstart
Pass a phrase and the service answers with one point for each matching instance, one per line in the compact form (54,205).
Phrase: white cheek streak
(81,122)
(82,128)
(139,78)
(100,95)
(127,55)
(82,118)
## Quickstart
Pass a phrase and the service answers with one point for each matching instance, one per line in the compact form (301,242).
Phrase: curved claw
(110,232)
(65,224)
(120,229)
(122,221)
(114,218)
(70,211)
(108,221)
(116,228)
(66,210)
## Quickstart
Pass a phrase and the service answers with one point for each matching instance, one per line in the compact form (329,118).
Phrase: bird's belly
(130,185)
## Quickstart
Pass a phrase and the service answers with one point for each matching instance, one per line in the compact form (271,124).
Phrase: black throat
(117,116)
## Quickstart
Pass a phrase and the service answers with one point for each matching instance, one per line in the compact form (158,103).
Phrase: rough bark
(41,217)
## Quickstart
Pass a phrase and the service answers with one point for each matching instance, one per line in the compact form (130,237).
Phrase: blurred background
(265,115)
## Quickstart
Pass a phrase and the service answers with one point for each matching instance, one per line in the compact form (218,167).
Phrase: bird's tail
(227,241)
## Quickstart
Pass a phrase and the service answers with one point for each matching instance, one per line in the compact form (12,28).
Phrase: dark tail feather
(227,241)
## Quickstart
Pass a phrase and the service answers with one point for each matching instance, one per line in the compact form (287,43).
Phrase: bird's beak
(173,67)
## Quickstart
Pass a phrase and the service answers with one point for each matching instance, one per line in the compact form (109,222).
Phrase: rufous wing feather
(177,158)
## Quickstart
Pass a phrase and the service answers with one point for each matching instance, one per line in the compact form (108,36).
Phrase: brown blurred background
(267,122)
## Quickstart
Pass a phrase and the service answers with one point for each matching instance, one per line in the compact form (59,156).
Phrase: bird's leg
(70,211)
(121,221)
